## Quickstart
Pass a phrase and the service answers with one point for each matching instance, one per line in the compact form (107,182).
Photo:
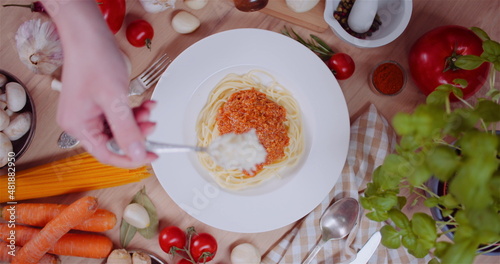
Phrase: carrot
(70,244)
(7,252)
(39,214)
(73,215)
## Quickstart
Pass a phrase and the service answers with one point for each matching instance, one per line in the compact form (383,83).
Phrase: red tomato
(113,12)
(430,52)
(184,261)
(171,236)
(140,33)
(342,65)
(203,247)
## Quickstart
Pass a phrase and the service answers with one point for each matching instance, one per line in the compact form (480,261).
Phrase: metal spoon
(336,223)
(157,147)
(66,141)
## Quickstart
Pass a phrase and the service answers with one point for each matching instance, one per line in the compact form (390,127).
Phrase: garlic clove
(56,85)
(136,215)
(196,4)
(245,253)
(185,23)
(39,46)
(16,96)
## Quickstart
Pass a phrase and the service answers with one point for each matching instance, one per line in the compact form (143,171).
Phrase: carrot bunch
(38,245)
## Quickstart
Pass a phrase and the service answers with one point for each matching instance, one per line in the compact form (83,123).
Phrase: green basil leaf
(489,111)
(419,175)
(385,202)
(442,162)
(497,65)
(409,240)
(424,227)
(441,248)
(431,202)
(127,232)
(461,82)
(449,201)
(480,33)
(143,199)
(439,96)
(402,123)
(491,47)
(463,252)
(377,216)
(469,62)
(422,248)
(401,202)
(399,219)
(390,237)
(434,261)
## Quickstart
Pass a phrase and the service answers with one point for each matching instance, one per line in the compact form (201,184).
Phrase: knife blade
(366,252)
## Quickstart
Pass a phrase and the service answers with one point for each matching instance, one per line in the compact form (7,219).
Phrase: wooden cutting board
(313,19)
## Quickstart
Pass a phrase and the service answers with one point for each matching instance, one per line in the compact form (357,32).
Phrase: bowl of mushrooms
(17,118)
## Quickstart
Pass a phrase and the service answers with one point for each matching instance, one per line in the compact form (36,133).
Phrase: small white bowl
(395,15)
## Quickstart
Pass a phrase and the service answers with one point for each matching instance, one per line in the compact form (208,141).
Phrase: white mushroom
(185,23)
(19,125)
(3,98)
(5,148)
(4,119)
(16,96)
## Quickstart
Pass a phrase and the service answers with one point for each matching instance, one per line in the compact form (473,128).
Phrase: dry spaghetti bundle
(74,174)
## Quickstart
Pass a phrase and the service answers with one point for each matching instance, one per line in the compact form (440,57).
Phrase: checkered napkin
(372,138)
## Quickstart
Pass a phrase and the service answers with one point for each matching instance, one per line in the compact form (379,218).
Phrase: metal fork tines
(150,76)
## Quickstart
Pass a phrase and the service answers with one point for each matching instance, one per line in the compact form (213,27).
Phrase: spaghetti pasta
(78,173)
(207,128)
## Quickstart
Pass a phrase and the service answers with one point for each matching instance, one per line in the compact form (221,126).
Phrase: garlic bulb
(39,46)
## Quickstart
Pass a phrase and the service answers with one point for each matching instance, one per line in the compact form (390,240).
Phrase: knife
(366,252)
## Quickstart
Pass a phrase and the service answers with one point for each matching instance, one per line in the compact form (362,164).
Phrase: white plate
(181,94)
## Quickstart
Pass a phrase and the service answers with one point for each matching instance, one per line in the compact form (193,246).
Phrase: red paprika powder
(388,78)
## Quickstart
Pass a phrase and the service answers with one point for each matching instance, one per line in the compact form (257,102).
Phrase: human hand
(87,105)
(95,87)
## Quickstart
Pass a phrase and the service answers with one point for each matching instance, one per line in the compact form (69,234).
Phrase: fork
(150,76)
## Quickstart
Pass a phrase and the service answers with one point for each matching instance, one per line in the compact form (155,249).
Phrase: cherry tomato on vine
(184,261)
(203,247)
(342,65)
(140,33)
(172,236)
(113,12)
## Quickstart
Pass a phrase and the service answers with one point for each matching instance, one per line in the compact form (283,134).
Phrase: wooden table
(217,16)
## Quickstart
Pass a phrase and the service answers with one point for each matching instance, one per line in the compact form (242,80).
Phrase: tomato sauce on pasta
(249,109)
